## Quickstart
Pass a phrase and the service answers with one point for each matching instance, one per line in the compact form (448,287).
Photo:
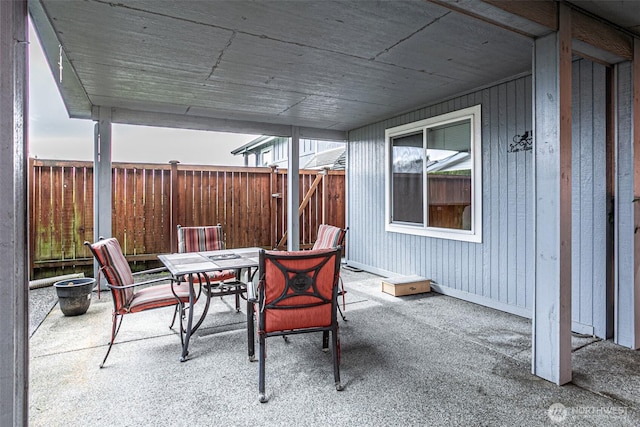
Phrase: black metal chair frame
(303,283)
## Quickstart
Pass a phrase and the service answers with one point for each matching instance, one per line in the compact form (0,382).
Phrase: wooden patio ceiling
(262,67)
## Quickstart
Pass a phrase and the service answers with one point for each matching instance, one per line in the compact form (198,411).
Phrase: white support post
(293,192)
(551,335)
(102,177)
(627,224)
(635,135)
(14,256)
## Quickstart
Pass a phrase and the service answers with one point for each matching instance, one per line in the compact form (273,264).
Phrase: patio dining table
(193,264)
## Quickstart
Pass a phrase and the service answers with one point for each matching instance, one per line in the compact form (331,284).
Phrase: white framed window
(433,177)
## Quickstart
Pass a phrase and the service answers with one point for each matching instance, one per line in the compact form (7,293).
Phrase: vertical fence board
(47,212)
(139,218)
(152,212)
(130,225)
(164,189)
(56,209)
(118,203)
(66,213)
(228,208)
(85,229)
(208,202)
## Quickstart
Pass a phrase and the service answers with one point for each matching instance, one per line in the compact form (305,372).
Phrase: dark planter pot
(74,295)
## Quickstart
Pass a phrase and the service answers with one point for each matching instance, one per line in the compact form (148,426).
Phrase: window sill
(439,233)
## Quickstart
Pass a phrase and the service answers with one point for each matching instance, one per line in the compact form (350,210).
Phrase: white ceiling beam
(182,121)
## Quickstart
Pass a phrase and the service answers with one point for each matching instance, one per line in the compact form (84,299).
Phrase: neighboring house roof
(253,144)
(333,159)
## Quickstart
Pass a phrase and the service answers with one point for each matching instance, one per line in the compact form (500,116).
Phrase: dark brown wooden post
(173,200)
(325,172)
(273,207)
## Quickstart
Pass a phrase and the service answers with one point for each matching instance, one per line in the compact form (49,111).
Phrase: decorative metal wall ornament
(522,142)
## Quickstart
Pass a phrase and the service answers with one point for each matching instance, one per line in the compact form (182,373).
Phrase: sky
(53,135)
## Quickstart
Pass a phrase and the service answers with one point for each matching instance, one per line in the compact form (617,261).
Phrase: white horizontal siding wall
(499,272)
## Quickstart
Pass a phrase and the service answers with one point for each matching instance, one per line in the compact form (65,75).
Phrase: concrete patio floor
(421,360)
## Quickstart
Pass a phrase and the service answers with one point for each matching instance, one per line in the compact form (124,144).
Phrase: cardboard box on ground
(406,285)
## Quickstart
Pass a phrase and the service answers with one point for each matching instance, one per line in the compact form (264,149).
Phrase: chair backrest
(329,236)
(115,268)
(199,239)
(298,289)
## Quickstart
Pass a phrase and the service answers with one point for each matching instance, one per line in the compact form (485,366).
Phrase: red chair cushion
(158,296)
(215,276)
(298,318)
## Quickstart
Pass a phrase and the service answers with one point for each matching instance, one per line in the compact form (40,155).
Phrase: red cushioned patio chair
(129,297)
(297,293)
(211,238)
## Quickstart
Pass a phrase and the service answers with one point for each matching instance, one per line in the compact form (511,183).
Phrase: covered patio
(425,359)
(550,229)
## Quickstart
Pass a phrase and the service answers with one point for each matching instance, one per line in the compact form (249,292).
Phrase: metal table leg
(207,302)
(190,329)
(185,344)
(251,343)
(251,300)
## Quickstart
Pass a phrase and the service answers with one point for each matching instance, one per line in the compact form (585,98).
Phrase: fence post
(273,204)
(325,173)
(173,203)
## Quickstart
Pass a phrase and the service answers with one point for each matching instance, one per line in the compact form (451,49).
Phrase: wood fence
(149,200)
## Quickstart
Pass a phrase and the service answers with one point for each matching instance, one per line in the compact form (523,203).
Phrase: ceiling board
(318,64)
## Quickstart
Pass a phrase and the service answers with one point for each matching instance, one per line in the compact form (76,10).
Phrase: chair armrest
(145,282)
(151,271)
(251,293)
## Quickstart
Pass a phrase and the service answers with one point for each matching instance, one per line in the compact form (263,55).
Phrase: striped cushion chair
(211,238)
(200,239)
(129,297)
(331,237)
